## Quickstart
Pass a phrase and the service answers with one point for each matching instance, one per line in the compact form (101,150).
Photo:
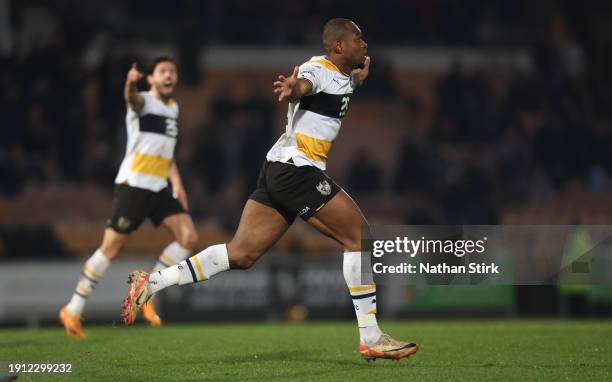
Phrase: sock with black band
(92,273)
(199,267)
(363,296)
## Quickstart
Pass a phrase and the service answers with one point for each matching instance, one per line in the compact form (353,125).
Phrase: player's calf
(243,260)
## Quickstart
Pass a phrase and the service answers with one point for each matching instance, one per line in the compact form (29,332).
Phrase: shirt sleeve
(146,107)
(316,74)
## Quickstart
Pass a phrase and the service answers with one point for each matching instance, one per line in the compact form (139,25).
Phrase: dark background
(479,112)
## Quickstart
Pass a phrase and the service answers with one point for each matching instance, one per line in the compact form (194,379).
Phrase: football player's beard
(161,90)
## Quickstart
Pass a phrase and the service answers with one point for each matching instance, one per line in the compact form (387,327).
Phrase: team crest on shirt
(324,188)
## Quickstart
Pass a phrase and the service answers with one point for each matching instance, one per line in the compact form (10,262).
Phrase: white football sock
(171,255)
(197,268)
(364,298)
(92,273)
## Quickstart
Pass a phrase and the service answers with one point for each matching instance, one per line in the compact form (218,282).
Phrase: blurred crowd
(497,137)
(540,135)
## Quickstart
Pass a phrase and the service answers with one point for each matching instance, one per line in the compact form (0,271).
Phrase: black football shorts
(132,205)
(294,190)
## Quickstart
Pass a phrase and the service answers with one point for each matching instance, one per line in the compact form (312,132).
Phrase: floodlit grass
(449,350)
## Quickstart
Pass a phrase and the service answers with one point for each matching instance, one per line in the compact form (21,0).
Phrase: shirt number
(344,107)
(171,127)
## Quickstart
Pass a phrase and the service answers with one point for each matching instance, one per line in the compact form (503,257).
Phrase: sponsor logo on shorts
(304,210)
(324,188)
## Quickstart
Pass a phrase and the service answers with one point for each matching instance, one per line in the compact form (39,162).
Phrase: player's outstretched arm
(359,75)
(291,88)
(130,92)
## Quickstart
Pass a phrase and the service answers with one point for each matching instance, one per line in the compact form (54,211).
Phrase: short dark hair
(334,30)
(158,60)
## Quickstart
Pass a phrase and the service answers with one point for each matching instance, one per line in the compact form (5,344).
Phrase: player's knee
(189,240)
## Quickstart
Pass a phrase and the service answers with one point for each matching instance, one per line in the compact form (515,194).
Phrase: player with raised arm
(141,188)
(292,183)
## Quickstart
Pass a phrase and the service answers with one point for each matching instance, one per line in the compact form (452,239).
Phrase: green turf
(450,350)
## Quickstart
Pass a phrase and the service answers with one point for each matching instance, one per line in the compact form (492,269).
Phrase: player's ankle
(370,335)
(164,278)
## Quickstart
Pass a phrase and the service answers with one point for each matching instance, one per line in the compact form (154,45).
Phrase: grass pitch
(449,350)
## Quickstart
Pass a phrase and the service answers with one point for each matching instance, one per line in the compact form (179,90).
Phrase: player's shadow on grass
(336,369)
(294,356)
(322,367)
